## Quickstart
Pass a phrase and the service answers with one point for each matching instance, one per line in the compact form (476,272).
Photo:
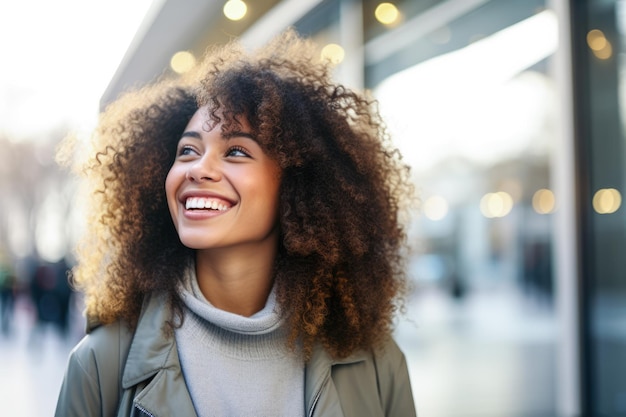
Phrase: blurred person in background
(7,292)
(244,250)
(51,296)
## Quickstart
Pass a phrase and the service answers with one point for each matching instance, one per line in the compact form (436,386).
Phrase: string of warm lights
(501,203)
(235,10)
(386,13)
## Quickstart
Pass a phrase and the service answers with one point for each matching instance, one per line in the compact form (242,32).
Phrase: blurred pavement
(489,355)
(32,363)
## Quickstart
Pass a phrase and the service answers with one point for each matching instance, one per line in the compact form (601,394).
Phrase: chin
(194,242)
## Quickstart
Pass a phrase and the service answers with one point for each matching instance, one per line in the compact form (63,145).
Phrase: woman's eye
(237,151)
(186,150)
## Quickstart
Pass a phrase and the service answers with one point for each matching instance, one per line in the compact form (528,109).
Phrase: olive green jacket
(147,365)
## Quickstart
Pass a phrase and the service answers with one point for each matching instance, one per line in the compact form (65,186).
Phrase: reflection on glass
(479,103)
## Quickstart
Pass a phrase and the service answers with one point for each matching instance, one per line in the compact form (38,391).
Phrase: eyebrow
(191,134)
(225,136)
(237,133)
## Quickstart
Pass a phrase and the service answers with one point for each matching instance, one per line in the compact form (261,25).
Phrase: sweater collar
(262,322)
(153,349)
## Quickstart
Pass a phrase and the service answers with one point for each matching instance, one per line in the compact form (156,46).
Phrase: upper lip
(204,194)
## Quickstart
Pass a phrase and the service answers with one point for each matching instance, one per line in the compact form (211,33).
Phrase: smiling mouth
(199,203)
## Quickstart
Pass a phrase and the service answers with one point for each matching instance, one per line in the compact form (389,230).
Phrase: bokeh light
(182,62)
(544,201)
(235,9)
(386,13)
(333,53)
(436,207)
(599,44)
(496,204)
(607,201)
(596,39)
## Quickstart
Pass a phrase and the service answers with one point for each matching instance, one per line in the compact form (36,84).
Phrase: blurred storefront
(511,115)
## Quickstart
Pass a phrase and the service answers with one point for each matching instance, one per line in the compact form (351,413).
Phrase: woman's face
(222,190)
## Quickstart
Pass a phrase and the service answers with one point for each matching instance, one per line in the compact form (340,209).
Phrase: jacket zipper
(318,394)
(143,410)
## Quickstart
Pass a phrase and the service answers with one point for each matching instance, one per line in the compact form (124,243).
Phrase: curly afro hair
(339,272)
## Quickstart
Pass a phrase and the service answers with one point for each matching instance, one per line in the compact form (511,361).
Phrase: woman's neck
(237,280)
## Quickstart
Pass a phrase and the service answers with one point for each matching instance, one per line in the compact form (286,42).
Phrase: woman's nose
(205,169)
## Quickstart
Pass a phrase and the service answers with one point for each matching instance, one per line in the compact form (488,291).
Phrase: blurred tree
(28,177)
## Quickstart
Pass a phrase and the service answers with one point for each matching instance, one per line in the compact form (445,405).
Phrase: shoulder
(388,358)
(91,384)
(393,380)
(386,364)
(385,360)
(375,379)
(104,347)
(100,338)
(112,341)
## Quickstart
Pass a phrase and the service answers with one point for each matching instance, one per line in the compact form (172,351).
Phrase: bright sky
(58,58)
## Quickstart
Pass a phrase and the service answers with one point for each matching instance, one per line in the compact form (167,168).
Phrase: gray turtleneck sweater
(235,365)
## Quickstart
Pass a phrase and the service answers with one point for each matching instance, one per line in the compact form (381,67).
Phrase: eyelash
(238,149)
(182,150)
(186,150)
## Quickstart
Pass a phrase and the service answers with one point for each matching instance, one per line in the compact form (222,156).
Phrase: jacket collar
(320,392)
(150,349)
(153,362)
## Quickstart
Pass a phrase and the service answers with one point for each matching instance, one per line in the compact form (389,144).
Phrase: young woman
(243,254)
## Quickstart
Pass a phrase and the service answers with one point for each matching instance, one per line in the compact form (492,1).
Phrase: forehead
(203,121)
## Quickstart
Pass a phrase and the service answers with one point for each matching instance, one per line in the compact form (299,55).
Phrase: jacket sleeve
(91,385)
(394,385)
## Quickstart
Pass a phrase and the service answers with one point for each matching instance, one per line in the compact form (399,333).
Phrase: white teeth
(204,203)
